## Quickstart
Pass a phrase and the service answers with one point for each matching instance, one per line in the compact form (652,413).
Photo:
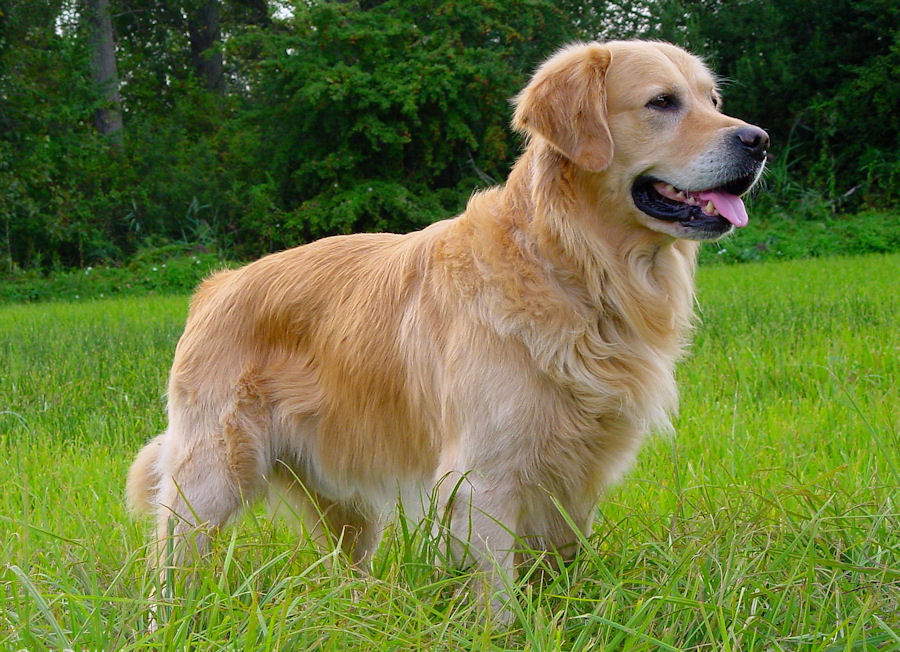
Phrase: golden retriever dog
(507,361)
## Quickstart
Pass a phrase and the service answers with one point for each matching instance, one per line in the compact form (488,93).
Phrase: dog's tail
(144,477)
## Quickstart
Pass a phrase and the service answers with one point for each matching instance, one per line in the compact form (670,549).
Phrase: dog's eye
(663,102)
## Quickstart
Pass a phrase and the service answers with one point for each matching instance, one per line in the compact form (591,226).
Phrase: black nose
(754,140)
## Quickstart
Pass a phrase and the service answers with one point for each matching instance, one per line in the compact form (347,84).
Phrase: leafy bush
(783,234)
(386,115)
(166,270)
(366,119)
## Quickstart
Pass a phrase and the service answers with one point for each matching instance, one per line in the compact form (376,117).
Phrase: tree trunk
(108,117)
(204,32)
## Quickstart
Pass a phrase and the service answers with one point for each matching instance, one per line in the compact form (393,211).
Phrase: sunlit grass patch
(768,522)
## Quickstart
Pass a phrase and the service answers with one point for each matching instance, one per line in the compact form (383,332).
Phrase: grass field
(770,522)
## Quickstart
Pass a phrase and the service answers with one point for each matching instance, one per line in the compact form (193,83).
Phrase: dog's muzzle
(708,212)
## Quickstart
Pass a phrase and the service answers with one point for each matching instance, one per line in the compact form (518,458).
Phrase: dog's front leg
(481,520)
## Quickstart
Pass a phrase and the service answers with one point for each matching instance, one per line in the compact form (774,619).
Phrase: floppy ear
(565,103)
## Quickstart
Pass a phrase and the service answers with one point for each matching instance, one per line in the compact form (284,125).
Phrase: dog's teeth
(710,208)
(680,195)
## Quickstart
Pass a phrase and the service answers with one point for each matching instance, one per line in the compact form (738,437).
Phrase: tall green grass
(770,522)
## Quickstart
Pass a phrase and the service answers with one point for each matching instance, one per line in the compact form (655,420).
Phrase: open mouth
(714,209)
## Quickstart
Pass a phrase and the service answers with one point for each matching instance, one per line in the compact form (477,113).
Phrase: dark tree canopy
(251,125)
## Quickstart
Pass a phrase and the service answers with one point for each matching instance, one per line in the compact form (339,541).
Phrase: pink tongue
(729,206)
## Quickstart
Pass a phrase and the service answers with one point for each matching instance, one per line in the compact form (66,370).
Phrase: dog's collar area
(713,211)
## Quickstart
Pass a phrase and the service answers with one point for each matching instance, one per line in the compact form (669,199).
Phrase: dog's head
(645,119)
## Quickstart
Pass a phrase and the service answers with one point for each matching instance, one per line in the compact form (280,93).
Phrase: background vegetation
(218,130)
(237,127)
(768,523)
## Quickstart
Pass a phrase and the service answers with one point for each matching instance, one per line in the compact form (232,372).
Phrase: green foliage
(169,269)
(819,75)
(337,119)
(49,153)
(353,116)
(384,119)
(806,230)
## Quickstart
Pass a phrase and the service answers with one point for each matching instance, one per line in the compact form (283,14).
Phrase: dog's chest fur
(607,331)
(601,341)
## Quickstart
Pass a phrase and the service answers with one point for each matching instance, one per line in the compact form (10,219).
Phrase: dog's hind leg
(357,533)
(327,523)
(208,470)
(196,496)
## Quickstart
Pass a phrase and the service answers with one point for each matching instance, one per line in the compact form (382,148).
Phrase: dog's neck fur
(553,221)
(610,293)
